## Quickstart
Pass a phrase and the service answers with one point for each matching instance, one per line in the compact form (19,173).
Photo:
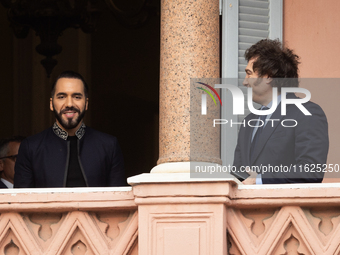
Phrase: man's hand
(251,180)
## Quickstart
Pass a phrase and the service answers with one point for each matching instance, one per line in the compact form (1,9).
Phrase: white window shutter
(244,22)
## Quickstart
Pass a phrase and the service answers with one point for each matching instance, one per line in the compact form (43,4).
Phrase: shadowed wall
(121,66)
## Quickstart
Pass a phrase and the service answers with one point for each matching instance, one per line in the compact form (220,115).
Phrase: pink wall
(311,28)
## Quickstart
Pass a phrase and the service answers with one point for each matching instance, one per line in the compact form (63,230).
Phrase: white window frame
(230,28)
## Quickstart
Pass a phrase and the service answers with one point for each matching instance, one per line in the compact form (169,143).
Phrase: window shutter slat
(253,32)
(257,4)
(249,39)
(241,59)
(253,25)
(254,11)
(244,46)
(253,18)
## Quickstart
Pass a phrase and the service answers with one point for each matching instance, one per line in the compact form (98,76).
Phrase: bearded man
(69,154)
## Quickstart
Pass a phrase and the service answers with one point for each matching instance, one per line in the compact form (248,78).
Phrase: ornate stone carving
(45,221)
(232,248)
(291,245)
(78,244)
(11,249)
(79,248)
(258,218)
(134,249)
(10,244)
(112,221)
(112,224)
(287,233)
(325,222)
(58,230)
(291,242)
(329,218)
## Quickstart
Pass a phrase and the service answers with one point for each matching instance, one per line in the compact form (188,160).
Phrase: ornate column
(178,214)
(189,49)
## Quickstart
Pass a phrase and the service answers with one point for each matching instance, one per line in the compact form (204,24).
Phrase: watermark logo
(238,99)
(204,97)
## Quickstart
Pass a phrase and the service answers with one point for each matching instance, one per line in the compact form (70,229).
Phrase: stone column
(189,49)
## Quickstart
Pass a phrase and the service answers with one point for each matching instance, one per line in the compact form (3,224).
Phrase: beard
(69,123)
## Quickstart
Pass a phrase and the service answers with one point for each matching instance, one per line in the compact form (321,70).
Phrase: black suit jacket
(43,160)
(293,152)
(3,185)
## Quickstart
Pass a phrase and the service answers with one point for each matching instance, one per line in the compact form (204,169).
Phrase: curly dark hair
(274,60)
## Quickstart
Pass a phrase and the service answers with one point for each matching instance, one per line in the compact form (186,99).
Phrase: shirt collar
(63,134)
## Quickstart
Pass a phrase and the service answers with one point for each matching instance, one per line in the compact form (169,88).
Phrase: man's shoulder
(39,140)
(313,108)
(40,136)
(294,111)
(94,134)
(308,105)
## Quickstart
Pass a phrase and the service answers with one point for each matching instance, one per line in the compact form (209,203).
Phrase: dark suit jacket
(298,148)
(43,160)
(3,185)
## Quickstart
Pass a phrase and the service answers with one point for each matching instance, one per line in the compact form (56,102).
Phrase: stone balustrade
(68,221)
(163,214)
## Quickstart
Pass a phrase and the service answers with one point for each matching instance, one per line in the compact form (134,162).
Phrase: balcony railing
(163,214)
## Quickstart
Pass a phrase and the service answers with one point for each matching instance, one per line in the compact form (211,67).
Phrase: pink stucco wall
(311,28)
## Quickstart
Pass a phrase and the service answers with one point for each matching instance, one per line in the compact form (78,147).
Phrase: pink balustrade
(163,214)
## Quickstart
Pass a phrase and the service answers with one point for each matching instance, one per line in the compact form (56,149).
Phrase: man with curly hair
(273,153)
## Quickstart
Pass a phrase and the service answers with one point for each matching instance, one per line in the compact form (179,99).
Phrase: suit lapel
(268,130)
